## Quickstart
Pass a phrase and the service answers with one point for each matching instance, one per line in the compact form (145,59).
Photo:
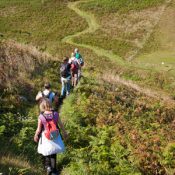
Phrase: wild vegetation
(39,22)
(19,85)
(115,126)
(110,6)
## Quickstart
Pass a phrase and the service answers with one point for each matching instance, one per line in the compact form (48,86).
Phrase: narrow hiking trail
(92,27)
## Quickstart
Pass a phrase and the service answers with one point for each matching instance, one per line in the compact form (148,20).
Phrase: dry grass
(112,78)
(133,27)
(19,61)
(11,161)
(127,25)
(14,161)
(8,11)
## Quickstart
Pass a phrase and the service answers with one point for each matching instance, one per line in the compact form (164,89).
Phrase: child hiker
(48,136)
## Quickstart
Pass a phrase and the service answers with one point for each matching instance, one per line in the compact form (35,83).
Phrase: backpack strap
(44,117)
(56,121)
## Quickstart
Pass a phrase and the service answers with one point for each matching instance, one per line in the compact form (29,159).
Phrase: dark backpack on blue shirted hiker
(64,70)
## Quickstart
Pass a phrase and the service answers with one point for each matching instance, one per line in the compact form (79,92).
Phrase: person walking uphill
(79,60)
(50,142)
(49,94)
(74,70)
(65,77)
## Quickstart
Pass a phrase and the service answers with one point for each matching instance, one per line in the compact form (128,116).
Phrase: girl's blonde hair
(45,105)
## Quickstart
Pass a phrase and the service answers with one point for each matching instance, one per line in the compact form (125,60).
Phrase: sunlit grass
(11,164)
(121,6)
(40,23)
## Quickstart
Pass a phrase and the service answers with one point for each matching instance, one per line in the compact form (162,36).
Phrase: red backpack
(74,66)
(51,129)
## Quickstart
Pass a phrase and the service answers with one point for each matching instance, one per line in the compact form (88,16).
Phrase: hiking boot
(49,170)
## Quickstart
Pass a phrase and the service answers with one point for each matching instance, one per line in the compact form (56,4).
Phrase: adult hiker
(65,77)
(80,61)
(74,69)
(47,93)
(48,136)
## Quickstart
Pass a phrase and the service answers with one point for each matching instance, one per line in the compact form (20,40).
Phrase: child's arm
(38,96)
(38,131)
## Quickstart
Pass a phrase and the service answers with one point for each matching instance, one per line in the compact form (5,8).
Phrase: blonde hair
(45,105)
(72,54)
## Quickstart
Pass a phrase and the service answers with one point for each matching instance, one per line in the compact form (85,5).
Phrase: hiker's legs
(47,161)
(79,73)
(72,80)
(53,163)
(63,89)
(48,165)
(75,79)
(68,85)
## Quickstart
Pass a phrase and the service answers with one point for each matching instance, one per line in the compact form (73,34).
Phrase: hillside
(121,116)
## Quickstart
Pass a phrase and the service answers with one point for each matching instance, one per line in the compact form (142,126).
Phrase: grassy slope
(40,23)
(112,35)
(160,47)
(139,129)
(108,6)
(99,111)
(18,110)
(118,26)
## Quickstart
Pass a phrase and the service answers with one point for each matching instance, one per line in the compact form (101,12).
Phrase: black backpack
(63,70)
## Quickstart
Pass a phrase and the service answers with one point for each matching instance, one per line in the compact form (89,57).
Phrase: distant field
(102,40)
(124,32)
(110,6)
(134,30)
(159,50)
(39,22)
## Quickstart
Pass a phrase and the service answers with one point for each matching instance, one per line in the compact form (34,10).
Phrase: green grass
(136,125)
(121,43)
(158,51)
(121,6)
(102,40)
(112,128)
(40,24)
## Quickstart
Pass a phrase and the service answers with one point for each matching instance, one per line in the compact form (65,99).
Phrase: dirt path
(92,27)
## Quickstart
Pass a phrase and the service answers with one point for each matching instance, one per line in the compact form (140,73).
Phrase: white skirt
(48,147)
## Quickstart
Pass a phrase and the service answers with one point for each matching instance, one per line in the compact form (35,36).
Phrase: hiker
(48,93)
(48,136)
(65,77)
(80,61)
(74,70)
